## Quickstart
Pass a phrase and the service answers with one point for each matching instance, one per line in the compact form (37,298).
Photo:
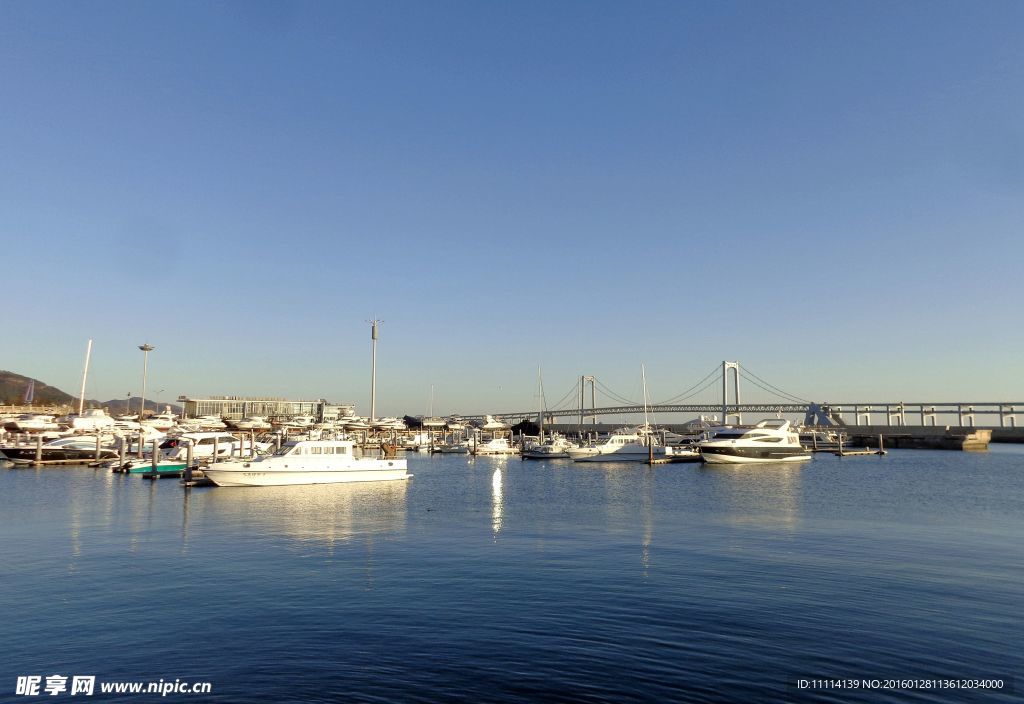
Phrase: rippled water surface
(502,580)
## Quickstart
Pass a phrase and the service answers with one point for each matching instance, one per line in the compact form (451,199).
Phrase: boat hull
(641,456)
(252,474)
(165,467)
(21,455)
(743,455)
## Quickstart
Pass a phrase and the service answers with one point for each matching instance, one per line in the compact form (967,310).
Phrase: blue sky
(830,193)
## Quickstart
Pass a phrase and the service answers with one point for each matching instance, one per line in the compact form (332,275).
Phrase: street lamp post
(373,372)
(146,349)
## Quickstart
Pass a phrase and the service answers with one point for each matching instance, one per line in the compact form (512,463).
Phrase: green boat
(162,467)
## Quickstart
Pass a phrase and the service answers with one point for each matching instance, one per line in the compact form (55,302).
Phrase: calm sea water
(502,580)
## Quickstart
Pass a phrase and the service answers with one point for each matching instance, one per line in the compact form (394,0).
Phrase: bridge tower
(593,397)
(735,367)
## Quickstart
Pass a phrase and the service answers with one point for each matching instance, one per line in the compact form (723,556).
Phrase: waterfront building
(238,407)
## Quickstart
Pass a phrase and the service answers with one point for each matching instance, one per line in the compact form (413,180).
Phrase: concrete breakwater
(921,437)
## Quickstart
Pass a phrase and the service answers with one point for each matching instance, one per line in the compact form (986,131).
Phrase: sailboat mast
(540,403)
(643,377)
(85,374)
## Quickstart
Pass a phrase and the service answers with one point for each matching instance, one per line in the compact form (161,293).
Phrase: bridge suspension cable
(570,397)
(714,375)
(621,399)
(770,388)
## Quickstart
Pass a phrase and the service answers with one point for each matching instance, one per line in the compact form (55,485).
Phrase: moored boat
(31,423)
(772,440)
(494,446)
(554,447)
(92,420)
(68,449)
(308,462)
(252,423)
(455,447)
(620,446)
(211,444)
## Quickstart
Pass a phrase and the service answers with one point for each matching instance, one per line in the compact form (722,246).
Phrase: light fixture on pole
(373,371)
(146,349)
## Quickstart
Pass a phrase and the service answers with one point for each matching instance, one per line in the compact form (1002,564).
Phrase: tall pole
(373,371)
(85,373)
(146,349)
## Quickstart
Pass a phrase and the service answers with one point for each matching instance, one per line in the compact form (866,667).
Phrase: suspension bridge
(581,404)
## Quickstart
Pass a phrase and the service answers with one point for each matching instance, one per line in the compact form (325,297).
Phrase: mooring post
(39,449)
(97,447)
(122,453)
(139,443)
(188,462)
(881,444)
(154,455)
(215,449)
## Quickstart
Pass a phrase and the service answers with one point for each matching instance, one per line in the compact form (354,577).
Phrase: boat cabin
(314,447)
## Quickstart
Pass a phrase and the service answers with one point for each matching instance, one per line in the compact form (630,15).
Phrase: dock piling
(188,462)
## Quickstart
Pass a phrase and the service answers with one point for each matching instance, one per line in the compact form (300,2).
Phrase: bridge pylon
(735,367)
(593,397)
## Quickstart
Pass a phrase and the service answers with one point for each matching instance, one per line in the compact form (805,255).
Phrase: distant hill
(13,386)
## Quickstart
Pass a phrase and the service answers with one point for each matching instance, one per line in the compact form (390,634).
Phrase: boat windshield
(284,449)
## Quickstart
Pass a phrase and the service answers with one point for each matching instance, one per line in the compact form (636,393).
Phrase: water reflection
(142,515)
(497,504)
(325,513)
(759,495)
(647,511)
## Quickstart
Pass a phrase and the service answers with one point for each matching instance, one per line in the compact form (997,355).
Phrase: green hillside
(13,386)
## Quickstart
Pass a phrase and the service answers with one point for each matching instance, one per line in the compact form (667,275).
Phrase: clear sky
(831,193)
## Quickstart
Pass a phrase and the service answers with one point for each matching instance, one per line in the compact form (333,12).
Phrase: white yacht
(31,422)
(494,446)
(388,424)
(208,423)
(492,423)
(620,446)
(205,445)
(253,423)
(308,462)
(457,447)
(772,440)
(358,423)
(162,421)
(554,447)
(91,420)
